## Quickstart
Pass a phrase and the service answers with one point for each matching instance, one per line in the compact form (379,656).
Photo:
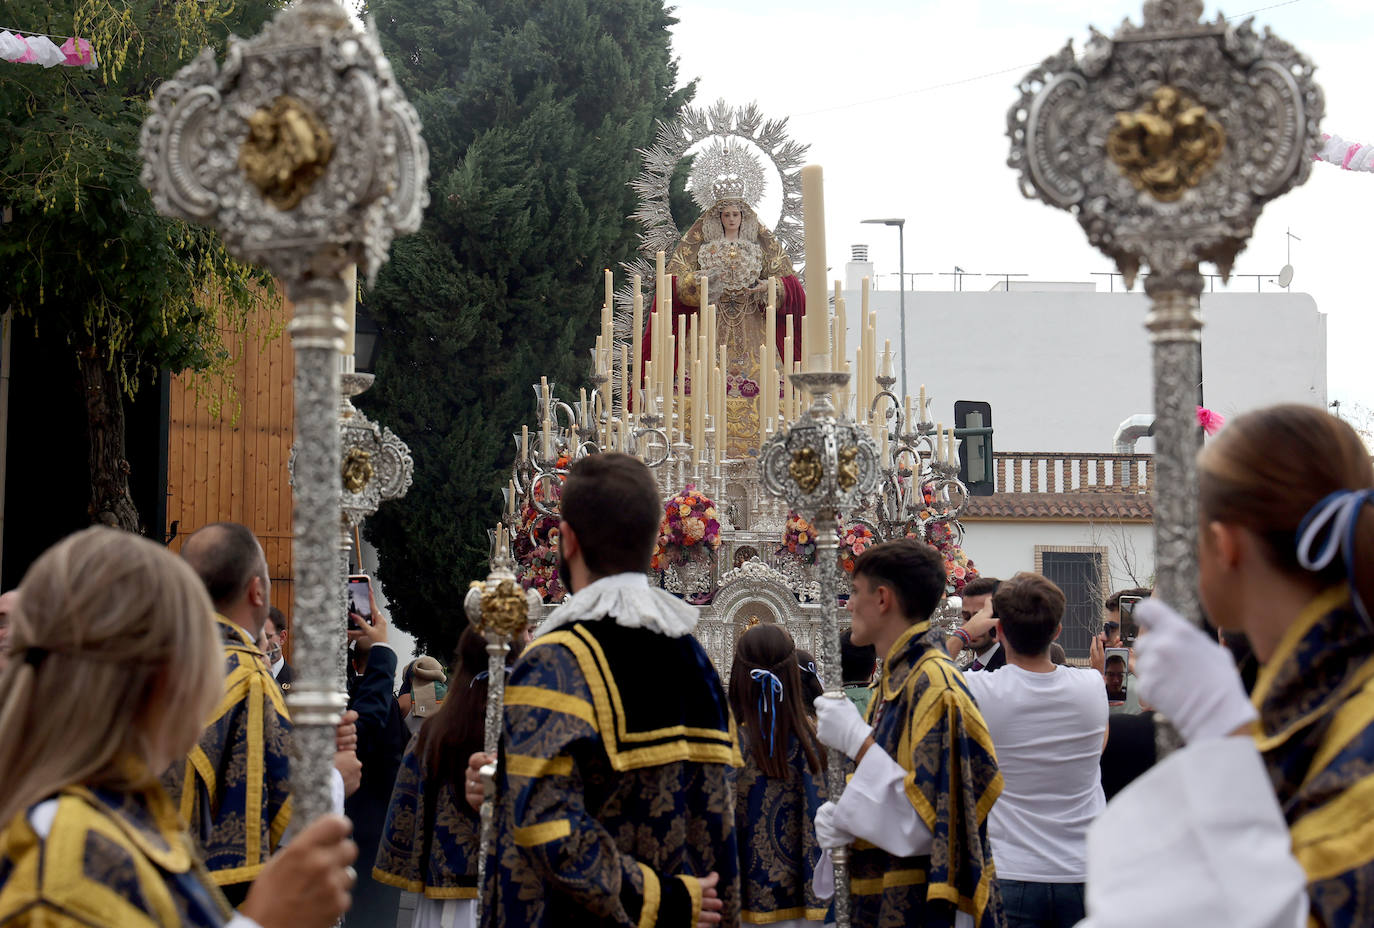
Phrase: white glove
(1187,676)
(839,726)
(828,834)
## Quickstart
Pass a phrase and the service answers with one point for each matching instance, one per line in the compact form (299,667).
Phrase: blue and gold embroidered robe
(926,720)
(433,853)
(616,787)
(1315,698)
(777,840)
(233,788)
(108,859)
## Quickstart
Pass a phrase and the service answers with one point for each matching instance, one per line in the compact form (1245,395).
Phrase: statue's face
(730,218)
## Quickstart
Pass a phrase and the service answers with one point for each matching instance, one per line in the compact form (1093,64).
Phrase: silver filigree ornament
(377,465)
(1166,141)
(302,152)
(1257,89)
(727,169)
(207,119)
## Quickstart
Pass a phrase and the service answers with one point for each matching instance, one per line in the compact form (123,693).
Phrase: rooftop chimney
(858,267)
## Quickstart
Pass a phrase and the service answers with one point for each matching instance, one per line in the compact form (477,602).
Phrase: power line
(979,77)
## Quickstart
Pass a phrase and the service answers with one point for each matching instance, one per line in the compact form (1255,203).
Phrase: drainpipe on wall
(1141,425)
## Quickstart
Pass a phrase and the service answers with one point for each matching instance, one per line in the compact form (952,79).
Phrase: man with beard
(987,651)
(615,790)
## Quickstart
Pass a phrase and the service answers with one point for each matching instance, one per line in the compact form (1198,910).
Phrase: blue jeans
(1042,905)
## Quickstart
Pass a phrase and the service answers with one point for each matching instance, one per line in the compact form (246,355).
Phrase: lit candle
(817,319)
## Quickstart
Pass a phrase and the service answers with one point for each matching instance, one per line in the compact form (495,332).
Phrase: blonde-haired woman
(1283,835)
(114,662)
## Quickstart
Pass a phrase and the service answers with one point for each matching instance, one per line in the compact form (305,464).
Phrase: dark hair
(981,586)
(278,620)
(912,569)
(455,732)
(767,647)
(810,681)
(1057,654)
(856,663)
(1268,469)
(226,556)
(1110,626)
(1113,602)
(1029,608)
(612,503)
(1114,657)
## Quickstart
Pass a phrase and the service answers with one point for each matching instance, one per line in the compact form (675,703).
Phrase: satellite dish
(1286,276)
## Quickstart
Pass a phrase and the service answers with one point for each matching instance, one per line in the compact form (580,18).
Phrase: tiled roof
(1056,507)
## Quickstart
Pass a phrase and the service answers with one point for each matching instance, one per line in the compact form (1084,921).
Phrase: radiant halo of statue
(722,127)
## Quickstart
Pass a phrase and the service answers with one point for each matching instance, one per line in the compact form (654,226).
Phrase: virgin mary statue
(737,254)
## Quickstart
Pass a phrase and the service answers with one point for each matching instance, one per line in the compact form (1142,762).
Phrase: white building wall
(1000,549)
(1062,368)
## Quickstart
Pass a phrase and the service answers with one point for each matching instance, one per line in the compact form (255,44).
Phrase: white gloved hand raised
(1187,676)
(828,834)
(839,726)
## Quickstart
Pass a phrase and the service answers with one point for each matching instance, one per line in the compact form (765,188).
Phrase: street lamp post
(901,281)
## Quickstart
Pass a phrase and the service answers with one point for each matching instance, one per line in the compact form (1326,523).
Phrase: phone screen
(1129,627)
(359,600)
(1118,661)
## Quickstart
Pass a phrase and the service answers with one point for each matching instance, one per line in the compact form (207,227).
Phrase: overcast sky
(859,82)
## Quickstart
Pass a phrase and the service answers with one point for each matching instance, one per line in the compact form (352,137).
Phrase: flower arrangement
(853,542)
(535,541)
(689,525)
(959,567)
(799,538)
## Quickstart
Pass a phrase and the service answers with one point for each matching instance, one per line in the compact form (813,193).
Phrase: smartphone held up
(359,599)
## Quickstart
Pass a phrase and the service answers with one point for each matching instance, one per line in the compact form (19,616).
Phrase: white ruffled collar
(631,601)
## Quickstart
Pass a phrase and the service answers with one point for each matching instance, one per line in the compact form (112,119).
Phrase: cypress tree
(533,111)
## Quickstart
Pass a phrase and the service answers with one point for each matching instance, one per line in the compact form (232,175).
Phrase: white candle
(650,404)
(610,290)
(817,319)
(841,332)
(939,453)
(887,357)
(637,340)
(907,422)
(705,292)
(923,403)
(524,442)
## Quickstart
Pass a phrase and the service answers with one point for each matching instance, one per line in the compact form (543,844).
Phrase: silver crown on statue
(727,170)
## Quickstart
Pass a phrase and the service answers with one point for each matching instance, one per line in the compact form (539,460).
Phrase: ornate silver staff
(500,610)
(821,466)
(1166,140)
(303,153)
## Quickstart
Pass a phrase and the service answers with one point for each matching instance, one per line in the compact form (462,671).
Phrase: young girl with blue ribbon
(781,785)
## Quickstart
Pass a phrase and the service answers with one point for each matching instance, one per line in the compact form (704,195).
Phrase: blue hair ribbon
(769,696)
(810,666)
(484,675)
(1338,517)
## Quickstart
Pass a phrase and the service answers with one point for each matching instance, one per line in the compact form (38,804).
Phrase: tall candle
(887,357)
(670,394)
(637,339)
(610,289)
(524,442)
(705,293)
(907,422)
(768,351)
(586,410)
(682,384)
(627,384)
(817,317)
(940,441)
(650,403)
(837,334)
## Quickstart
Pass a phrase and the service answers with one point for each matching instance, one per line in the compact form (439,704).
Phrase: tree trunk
(111,503)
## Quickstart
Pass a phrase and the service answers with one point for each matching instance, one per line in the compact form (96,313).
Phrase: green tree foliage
(84,256)
(533,111)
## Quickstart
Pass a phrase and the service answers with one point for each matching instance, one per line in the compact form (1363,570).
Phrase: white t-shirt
(1047,729)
